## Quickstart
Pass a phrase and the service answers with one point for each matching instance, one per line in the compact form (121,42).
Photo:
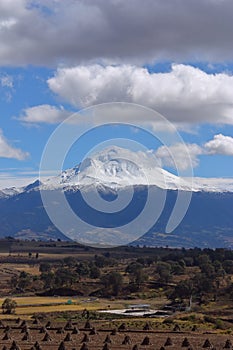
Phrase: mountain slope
(207,223)
(112,175)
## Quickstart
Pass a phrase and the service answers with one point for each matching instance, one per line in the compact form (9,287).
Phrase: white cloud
(220,144)
(179,156)
(44,114)
(6,81)
(87,85)
(8,151)
(175,156)
(47,32)
(184,95)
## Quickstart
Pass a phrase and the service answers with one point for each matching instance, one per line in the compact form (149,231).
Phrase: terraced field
(19,334)
(6,273)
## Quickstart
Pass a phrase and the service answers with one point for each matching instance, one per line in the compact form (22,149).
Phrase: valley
(56,282)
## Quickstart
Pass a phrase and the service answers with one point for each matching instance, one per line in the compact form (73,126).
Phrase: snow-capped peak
(115,166)
(10,191)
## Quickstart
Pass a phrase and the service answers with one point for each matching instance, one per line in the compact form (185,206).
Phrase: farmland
(57,282)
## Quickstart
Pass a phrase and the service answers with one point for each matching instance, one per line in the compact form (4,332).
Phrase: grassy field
(32,269)
(22,301)
(27,306)
(30,305)
(27,256)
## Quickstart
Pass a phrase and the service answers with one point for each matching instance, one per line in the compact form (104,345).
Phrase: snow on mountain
(11,191)
(212,184)
(118,167)
(207,222)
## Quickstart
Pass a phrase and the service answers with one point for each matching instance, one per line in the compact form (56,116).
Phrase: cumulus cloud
(44,114)
(220,144)
(8,151)
(46,32)
(185,94)
(181,156)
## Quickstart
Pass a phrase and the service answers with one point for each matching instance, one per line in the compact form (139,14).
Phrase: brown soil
(51,337)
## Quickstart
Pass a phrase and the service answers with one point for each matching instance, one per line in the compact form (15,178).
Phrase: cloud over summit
(185,94)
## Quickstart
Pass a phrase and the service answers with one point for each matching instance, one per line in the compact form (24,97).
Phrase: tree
(183,290)
(24,280)
(8,306)
(48,278)
(83,269)
(140,277)
(164,271)
(137,274)
(113,282)
(176,268)
(100,261)
(228,266)
(14,281)
(94,272)
(65,278)
(70,261)
(203,283)
(208,270)
(45,267)
(203,259)
(133,267)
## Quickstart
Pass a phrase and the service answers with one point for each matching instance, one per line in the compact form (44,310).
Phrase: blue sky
(56,59)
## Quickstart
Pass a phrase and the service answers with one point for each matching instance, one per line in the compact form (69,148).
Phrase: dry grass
(51,308)
(38,300)
(33,270)
(31,305)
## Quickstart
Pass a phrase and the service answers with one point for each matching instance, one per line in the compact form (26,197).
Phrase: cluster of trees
(70,271)
(203,272)
(67,273)
(212,277)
